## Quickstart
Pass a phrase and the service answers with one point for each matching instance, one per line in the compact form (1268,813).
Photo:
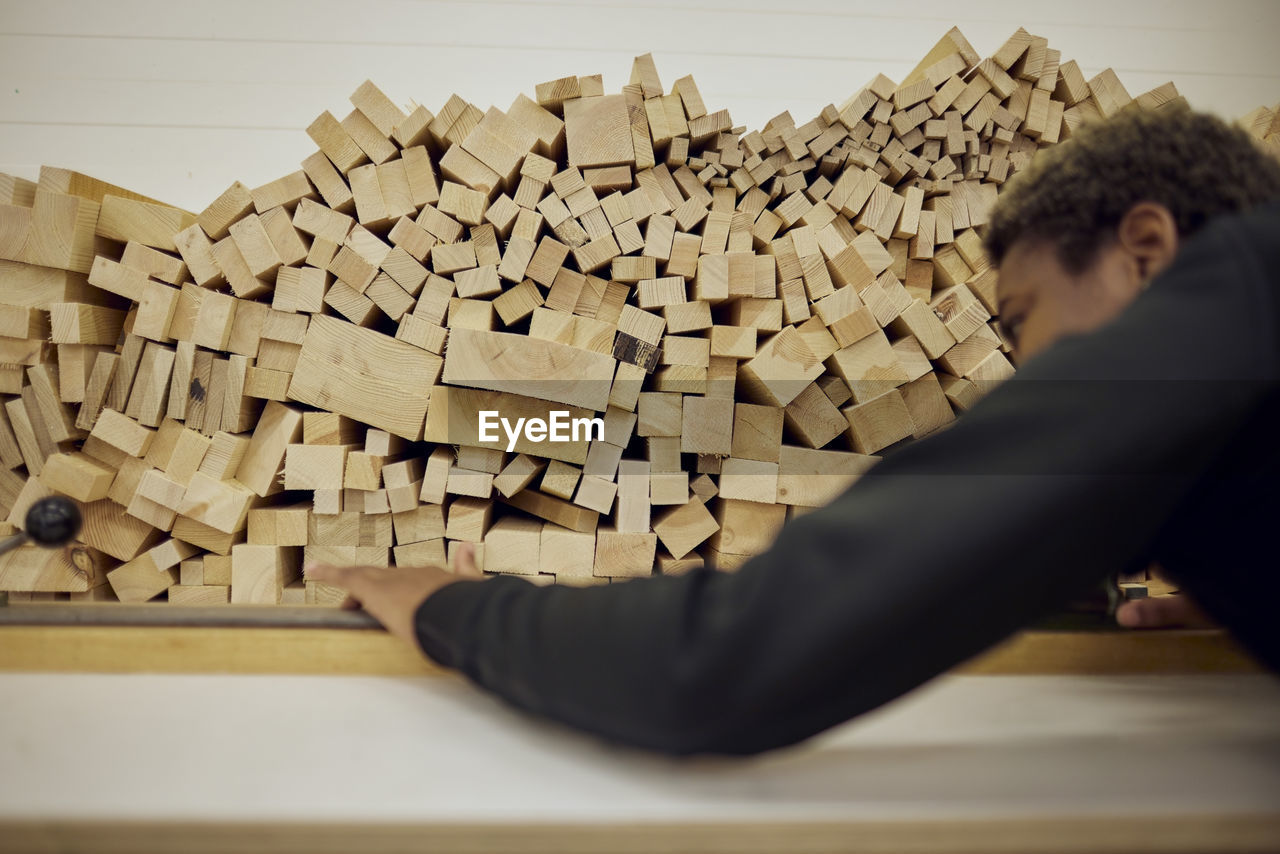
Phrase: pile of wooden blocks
(299,371)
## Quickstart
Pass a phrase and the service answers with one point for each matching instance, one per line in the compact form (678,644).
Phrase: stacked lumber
(741,322)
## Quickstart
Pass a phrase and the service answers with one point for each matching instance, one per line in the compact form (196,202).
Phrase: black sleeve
(1057,478)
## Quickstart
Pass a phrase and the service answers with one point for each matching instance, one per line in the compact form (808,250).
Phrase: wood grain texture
(365,375)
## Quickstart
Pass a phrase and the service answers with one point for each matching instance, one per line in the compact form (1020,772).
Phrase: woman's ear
(1148,233)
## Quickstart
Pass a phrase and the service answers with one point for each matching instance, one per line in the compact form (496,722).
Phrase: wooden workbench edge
(371,651)
(1245,833)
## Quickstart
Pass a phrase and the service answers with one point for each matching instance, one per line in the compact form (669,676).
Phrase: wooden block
(75,367)
(920,322)
(423,187)
(598,131)
(157,305)
(279,427)
(870,367)
(735,341)
(746,527)
(707,425)
(121,432)
(366,375)
(61,232)
(560,479)
(217,569)
(781,369)
(220,504)
(153,262)
(813,478)
(663,453)
(555,510)
(314,466)
(422,523)
(279,526)
(285,239)
(236,270)
(336,142)
(991,371)
(692,316)
(666,488)
(468,519)
(757,432)
(140,580)
(878,422)
(602,459)
(512,544)
(660,414)
(199,595)
(76,323)
(118,279)
(621,554)
(518,474)
(150,224)
(515,363)
(1108,92)
(596,493)
(78,476)
(749,480)
(259,573)
(927,405)
(328,182)
(149,396)
(633,509)
(566,553)
(425,553)
(380,110)
(464,204)
(371,208)
(234,203)
(191,572)
(362,471)
(468,482)
(959,310)
(171,553)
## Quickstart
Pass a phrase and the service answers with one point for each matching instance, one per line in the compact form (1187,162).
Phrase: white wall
(177,99)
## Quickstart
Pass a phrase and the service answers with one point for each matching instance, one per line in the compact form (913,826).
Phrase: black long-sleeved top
(1154,437)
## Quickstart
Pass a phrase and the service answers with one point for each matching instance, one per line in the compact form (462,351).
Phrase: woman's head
(1078,233)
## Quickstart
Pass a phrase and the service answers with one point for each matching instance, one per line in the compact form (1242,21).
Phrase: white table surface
(372,749)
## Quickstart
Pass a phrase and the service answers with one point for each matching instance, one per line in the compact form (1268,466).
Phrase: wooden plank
(150,224)
(500,361)
(365,375)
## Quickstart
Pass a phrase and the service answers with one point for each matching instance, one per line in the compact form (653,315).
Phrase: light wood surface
(328,763)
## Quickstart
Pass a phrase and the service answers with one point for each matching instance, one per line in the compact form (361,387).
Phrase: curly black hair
(1075,194)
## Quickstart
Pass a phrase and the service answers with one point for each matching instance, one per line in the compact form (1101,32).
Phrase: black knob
(53,521)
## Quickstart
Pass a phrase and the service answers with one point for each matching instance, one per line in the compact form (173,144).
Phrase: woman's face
(1041,301)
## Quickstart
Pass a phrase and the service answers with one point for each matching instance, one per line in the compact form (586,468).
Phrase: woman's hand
(392,595)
